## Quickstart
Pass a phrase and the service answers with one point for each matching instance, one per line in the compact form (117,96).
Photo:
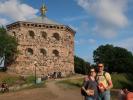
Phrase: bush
(122,81)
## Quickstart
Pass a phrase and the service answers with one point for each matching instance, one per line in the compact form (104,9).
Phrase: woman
(90,86)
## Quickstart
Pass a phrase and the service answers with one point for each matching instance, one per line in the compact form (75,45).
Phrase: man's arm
(110,85)
(109,80)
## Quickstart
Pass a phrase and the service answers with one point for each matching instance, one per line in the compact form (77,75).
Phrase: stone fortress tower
(47,42)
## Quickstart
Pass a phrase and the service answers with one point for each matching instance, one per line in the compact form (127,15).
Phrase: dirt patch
(33,94)
(64,94)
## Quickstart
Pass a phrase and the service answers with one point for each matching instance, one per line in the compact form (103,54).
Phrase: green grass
(40,85)
(122,81)
(30,79)
(17,81)
(71,83)
(10,80)
(119,81)
(33,86)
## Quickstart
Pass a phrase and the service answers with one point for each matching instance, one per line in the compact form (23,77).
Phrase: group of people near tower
(97,85)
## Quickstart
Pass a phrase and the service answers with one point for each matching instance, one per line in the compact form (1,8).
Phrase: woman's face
(93,73)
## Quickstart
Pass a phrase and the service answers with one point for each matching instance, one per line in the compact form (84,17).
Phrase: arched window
(32,34)
(44,35)
(56,36)
(43,52)
(56,53)
(68,36)
(14,33)
(67,41)
(29,51)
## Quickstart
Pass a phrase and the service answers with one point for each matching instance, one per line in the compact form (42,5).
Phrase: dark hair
(90,71)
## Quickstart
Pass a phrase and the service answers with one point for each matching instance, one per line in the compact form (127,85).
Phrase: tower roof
(44,20)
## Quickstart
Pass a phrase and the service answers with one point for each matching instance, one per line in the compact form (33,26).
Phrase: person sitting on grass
(4,87)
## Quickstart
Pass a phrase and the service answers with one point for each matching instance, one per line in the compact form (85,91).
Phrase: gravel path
(64,94)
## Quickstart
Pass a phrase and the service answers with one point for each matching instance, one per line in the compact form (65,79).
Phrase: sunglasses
(100,66)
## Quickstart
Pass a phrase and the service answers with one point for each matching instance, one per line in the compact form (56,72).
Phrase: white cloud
(3,21)
(92,41)
(110,15)
(126,43)
(85,41)
(105,30)
(85,27)
(69,19)
(74,27)
(15,10)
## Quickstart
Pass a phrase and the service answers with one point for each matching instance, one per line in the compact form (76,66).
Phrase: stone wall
(51,47)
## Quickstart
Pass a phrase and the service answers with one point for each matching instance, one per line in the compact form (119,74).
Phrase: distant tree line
(116,59)
(81,66)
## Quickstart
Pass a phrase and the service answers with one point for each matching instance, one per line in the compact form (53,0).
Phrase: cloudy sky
(97,22)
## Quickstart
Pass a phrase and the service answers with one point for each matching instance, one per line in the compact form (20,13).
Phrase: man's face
(100,67)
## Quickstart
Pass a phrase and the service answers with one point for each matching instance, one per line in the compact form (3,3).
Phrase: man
(104,83)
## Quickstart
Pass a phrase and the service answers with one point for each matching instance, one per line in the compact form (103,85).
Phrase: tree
(116,59)
(8,47)
(80,65)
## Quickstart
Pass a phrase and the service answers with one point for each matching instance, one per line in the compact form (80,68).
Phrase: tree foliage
(8,47)
(116,59)
(80,65)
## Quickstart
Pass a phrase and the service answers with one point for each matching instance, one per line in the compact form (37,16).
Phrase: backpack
(104,74)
